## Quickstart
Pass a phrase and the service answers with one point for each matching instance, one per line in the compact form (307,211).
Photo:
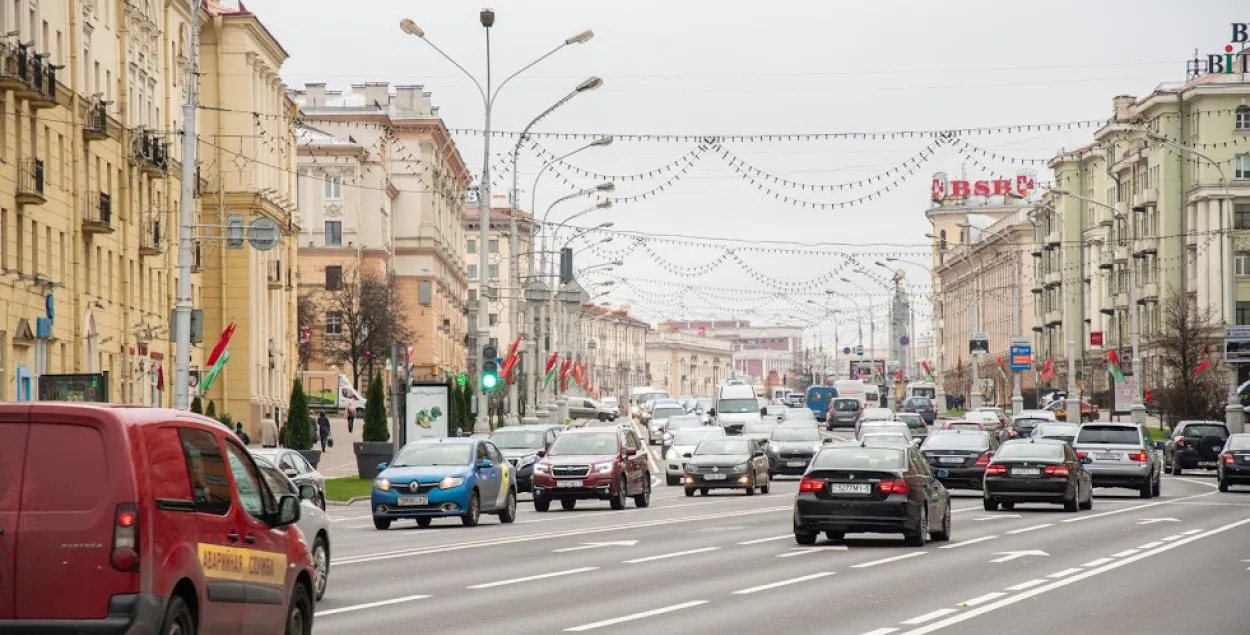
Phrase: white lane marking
(676,554)
(802,551)
(1192,532)
(596,545)
(970,541)
(759,540)
(881,631)
(1195,481)
(528,578)
(1008,556)
(1126,553)
(982,599)
(1008,601)
(998,517)
(1135,508)
(1026,585)
(929,617)
(1098,563)
(1151,521)
(774,585)
(1064,573)
(1028,529)
(874,563)
(635,616)
(370,605)
(1172,537)
(1150,545)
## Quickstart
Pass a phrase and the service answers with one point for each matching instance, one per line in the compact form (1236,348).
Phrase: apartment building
(504,295)
(686,364)
(382,179)
(614,349)
(761,352)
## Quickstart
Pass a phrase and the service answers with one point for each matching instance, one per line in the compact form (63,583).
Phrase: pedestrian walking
(323,431)
(268,432)
(351,417)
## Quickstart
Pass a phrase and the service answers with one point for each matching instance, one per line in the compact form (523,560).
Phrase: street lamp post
(488,93)
(935,334)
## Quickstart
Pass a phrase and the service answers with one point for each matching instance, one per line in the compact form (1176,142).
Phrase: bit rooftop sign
(1021,187)
(1228,62)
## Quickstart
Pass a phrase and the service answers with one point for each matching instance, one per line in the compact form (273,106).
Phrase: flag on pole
(211,376)
(1048,369)
(928,370)
(220,348)
(510,362)
(1113,366)
(1204,367)
(1002,367)
(549,373)
(564,374)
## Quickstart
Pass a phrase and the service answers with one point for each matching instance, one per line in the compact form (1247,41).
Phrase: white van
(869,395)
(736,404)
(921,389)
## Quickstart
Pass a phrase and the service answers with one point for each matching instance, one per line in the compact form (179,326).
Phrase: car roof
(125,414)
(592,430)
(1112,424)
(529,426)
(446,440)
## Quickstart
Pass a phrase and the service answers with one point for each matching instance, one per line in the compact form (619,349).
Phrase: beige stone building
(613,347)
(685,364)
(382,181)
(498,276)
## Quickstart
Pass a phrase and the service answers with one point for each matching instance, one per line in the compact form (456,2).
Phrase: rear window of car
(846,405)
(665,413)
(1202,430)
(1239,442)
(912,420)
(918,402)
(1052,430)
(1024,451)
(1109,434)
(1027,424)
(957,441)
(797,433)
(859,458)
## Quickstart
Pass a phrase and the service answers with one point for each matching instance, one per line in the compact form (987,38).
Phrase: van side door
(221,559)
(265,560)
(13,435)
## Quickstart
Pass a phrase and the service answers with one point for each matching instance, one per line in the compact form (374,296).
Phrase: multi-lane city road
(729,563)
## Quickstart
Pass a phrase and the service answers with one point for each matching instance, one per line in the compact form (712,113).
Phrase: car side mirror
(381,466)
(917,442)
(307,492)
(540,454)
(288,511)
(290,472)
(485,463)
(1159,445)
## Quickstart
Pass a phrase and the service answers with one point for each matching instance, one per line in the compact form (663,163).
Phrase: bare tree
(1187,332)
(306,311)
(369,316)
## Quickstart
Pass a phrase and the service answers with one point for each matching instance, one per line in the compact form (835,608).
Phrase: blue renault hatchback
(437,478)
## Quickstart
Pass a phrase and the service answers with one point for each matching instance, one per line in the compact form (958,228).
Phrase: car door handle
(232,537)
(249,540)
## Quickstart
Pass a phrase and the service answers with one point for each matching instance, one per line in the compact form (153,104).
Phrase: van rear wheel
(178,618)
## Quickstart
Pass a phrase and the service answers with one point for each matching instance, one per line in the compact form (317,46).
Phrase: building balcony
(1121,301)
(151,239)
(1038,323)
(1148,197)
(97,215)
(1054,239)
(150,153)
(1104,259)
(1054,317)
(1037,250)
(1120,253)
(41,89)
(1149,293)
(1146,245)
(1054,278)
(31,180)
(95,125)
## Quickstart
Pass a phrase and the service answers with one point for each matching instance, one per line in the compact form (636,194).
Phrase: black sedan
(1037,471)
(853,488)
(520,445)
(1194,445)
(727,464)
(1234,465)
(791,448)
(961,454)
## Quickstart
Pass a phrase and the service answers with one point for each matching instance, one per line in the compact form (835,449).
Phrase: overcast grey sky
(732,67)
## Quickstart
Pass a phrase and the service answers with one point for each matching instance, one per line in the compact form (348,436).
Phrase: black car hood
(719,460)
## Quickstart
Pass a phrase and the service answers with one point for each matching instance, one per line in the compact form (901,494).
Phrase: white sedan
(313,523)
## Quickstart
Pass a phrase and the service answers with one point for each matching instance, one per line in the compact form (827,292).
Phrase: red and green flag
(217,359)
(1113,366)
(1048,369)
(1204,367)
(549,372)
(211,375)
(928,370)
(1002,367)
(510,362)
(564,374)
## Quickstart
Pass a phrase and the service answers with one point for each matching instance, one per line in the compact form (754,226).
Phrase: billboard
(86,387)
(425,412)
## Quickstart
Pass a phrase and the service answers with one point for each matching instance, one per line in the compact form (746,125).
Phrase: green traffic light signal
(462,379)
(490,375)
(489,381)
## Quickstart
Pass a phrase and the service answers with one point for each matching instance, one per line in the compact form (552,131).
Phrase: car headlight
(541,468)
(526,460)
(690,468)
(449,482)
(382,484)
(671,455)
(741,467)
(603,468)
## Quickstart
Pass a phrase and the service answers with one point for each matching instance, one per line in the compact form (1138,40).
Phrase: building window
(1241,263)
(334,278)
(334,323)
(494,245)
(334,188)
(1241,216)
(472,295)
(472,270)
(494,272)
(334,233)
(473,323)
(1242,119)
(942,240)
(1243,313)
(471,246)
(494,319)
(1241,169)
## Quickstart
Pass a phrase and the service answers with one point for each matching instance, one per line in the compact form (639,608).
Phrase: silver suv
(1119,455)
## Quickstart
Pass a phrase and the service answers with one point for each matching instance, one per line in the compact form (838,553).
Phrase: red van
(142,521)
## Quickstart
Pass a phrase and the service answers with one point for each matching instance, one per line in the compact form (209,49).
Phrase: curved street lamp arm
(490,101)
(481,91)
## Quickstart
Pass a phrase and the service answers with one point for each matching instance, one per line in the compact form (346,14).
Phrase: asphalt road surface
(728,563)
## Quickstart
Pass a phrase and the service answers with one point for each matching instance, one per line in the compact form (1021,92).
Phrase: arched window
(1241,119)
(942,240)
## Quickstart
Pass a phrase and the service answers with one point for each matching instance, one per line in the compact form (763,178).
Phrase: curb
(348,502)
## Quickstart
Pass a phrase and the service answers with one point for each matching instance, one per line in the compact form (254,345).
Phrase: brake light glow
(1180,440)
(1138,457)
(996,469)
(983,460)
(1056,470)
(1082,454)
(1228,459)
(1012,433)
(896,486)
(125,555)
(812,485)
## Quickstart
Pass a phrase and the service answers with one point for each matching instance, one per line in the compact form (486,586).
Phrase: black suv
(1194,445)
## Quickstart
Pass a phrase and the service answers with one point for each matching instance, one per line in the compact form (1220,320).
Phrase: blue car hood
(423,474)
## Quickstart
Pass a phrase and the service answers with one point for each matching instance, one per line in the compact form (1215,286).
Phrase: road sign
(846,350)
(1021,356)
(859,350)
(234,231)
(263,234)
(904,340)
(979,343)
(1237,344)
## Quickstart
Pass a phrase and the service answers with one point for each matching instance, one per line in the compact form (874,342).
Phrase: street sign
(846,350)
(978,343)
(234,231)
(904,340)
(1021,356)
(263,234)
(859,350)
(1237,344)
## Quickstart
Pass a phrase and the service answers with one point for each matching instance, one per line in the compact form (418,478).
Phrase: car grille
(570,470)
(796,455)
(404,488)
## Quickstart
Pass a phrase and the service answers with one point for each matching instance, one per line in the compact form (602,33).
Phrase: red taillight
(896,486)
(1139,457)
(809,484)
(1180,440)
(1228,459)
(1056,470)
(1012,433)
(995,469)
(983,460)
(1082,454)
(125,556)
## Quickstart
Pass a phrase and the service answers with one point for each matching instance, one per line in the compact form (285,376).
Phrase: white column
(1095,287)
(1201,263)
(1214,267)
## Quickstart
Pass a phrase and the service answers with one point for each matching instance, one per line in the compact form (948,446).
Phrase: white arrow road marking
(595,545)
(1151,521)
(998,517)
(798,551)
(1008,556)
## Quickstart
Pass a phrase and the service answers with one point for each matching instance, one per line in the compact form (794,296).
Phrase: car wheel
(568,504)
(705,491)
(1222,485)
(644,499)
(751,486)
(1074,504)
(603,417)
(1008,506)
(991,505)
(381,523)
(768,485)
(424,522)
(542,504)
(1176,468)
(622,494)
(1156,490)
(321,564)
(508,514)
(1088,504)
(672,480)
(919,537)
(690,492)
(943,534)
(299,618)
(178,619)
(804,538)
(474,513)
(1146,488)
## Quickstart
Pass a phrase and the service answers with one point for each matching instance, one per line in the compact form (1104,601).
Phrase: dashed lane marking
(676,554)
(929,617)
(1028,529)
(1064,573)
(971,541)
(530,578)
(982,599)
(634,616)
(865,565)
(1098,563)
(781,583)
(1026,585)
(1124,554)
(370,605)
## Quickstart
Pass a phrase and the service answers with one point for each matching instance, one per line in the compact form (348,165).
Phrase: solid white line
(982,599)
(759,540)
(799,552)
(765,587)
(1135,508)
(676,554)
(1124,554)
(881,631)
(929,617)
(1028,529)
(1008,601)
(1195,482)
(541,576)
(635,616)
(1172,537)
(1098,563)
(1150,545)
(971,541)
(1064,573)
(874,563)
(1026,585)
(370,605)
(1192,532)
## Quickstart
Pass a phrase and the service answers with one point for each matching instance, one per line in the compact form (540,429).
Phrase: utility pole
(186,222)
(482,424)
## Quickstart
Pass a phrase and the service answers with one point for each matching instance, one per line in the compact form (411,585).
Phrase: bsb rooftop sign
(1231,61)
(1021,187)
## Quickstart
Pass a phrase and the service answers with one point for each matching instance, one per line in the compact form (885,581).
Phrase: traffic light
(490,368)
(462,379)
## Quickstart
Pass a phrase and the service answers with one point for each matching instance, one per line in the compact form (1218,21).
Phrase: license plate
(1108,456)
(568,484)
(849,488)
(406,501)
(1206,463)
(1026,471)
(713,477)
(795,463)
(951,459)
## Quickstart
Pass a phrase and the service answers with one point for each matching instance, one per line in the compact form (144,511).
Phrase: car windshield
(426,454)
(1026,451)
(798,414)
(919,402)
(723,447)
(893,428)
(758,427)
(667,412)
(1239,442)
(598,444)
(886,438)
(693,437)
(911,419)
(980,415)
(963,426)
(798,433)
(1027,425)
(518,439)
(677,423)
(860,458)
(846,405)
(925,392)
(956,441)
(1205,429)
(1056,431)
(737,406)
(1121,435)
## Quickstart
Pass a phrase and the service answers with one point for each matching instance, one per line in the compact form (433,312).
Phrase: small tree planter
(312,456)
(368,455)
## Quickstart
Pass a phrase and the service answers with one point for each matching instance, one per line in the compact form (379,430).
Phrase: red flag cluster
(510,361)
(1048,369)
